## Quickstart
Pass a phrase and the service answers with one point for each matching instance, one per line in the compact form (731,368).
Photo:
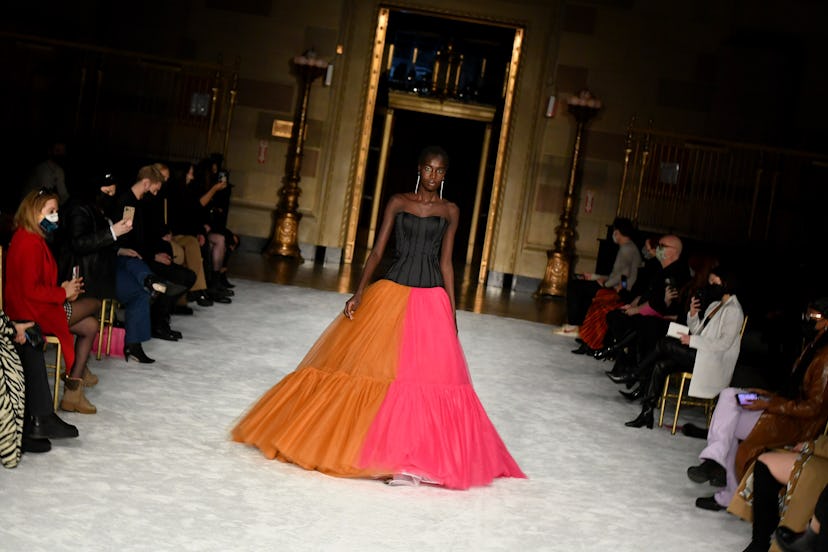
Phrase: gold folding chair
(681,397)
(106,320)
(53,340)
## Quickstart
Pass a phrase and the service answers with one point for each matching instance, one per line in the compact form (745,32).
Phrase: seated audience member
(91,241)
(580,293)
(146,241)
(635,330)
(32,293)
(24,394)
(798,413)
(215,198)
(800,475)
(187,221)
(594,328)
(710,349)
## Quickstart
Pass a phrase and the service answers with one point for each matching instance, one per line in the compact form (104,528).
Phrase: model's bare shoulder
(452,210)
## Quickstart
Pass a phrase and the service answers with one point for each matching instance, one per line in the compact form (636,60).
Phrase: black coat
(87,242)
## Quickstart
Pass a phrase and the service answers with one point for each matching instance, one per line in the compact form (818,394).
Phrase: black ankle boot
(35,445)
(628,378)
(50,426)
(225,282)
(583,349)
(645,418)
(136,352)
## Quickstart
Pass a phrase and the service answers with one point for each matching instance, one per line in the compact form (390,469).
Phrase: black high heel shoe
(628,378)
(646,418)
(605,353)
(136,353)
(633,395)
(583,349)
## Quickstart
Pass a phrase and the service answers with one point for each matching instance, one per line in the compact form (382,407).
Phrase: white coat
(717,347)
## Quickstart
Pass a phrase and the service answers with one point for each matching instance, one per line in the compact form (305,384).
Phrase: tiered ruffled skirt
(385,393)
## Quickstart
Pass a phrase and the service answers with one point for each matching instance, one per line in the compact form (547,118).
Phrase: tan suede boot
(89,379)
(73,398)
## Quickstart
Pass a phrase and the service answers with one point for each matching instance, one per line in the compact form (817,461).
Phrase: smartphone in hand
(75,272)
(747,398)
(129,212)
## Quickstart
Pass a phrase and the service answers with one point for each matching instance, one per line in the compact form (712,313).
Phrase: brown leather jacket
(790,421)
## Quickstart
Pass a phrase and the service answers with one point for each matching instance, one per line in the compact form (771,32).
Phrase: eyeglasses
(814,315)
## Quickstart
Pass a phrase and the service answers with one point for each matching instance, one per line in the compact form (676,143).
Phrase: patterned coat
(12,399)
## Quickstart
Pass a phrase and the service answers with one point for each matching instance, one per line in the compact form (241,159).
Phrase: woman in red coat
(32,293)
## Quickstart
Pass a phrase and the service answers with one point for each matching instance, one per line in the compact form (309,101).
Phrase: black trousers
(668,357)
(38,395)
(163,304)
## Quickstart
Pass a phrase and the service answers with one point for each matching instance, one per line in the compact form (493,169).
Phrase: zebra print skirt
(12,396)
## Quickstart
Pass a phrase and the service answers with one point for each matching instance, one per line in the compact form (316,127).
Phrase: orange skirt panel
(317,417)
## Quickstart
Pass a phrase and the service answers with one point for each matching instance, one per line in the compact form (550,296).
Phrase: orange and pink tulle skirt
(385,393)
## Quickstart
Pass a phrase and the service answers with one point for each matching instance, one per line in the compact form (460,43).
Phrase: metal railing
(713,190)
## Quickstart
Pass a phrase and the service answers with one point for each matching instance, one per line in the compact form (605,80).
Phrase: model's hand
(351,307)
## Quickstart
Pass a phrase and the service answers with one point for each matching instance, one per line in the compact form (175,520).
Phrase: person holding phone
(739,433)
(709,349)
(145,242)
(32,293)
(95,244)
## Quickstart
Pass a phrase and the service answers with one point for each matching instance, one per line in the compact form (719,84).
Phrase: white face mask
(52,217)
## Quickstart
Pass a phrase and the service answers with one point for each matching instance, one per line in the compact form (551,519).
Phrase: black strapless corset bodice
(417,262)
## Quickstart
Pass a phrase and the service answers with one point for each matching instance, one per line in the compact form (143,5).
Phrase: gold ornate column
(559,259)
(283,241)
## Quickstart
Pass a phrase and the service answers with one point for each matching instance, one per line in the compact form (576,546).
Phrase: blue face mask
(49,223)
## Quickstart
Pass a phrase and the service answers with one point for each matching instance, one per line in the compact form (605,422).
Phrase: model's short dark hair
(433,151)
(624,226)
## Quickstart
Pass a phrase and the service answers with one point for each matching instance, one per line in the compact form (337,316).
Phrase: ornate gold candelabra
(284,239)
(559,259)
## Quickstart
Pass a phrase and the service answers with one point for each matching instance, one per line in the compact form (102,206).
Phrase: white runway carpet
(154,468)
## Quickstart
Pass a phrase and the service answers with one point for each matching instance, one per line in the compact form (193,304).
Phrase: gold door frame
(365,138)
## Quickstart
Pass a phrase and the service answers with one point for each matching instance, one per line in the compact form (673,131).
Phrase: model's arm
(391,209)
(446,252)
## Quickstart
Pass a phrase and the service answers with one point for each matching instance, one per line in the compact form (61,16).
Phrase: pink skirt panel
(432,423)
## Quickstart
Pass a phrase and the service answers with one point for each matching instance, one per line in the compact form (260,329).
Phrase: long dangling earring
(417,185)
(441,187)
